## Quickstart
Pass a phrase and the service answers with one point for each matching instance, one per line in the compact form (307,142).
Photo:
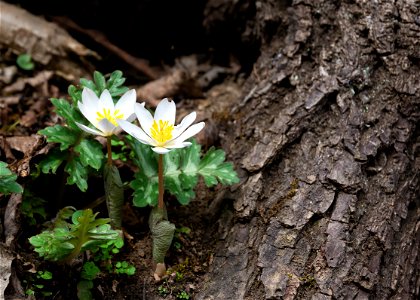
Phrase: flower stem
(108,147)
(160,177)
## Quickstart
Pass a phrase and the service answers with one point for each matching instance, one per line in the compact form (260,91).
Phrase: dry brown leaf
(24,32)
(35,81)
(173,84)
(12,219)
(7,74)
(6,259)
(25,144)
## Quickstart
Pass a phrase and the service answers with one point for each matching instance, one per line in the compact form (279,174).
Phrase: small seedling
(37,285)
(24,61)
(123,267)
(65,241)
(183,295)
(163,291)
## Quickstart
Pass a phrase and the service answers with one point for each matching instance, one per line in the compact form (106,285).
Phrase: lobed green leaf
(213,168)
(75,94)
(90,153)
(89,84)
(181,170)
(66,110)
(60,134)
(8,182)
(146,190)
(99,80)
(52,161)
(78,174)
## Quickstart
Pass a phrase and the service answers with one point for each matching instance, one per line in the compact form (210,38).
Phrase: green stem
(161,204)
(108,147)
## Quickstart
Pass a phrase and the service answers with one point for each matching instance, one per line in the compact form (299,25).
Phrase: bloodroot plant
(167,158)
(181,168)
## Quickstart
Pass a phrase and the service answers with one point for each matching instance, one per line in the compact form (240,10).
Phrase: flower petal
(90,100)
(136,132)
(144,116)
(106,100)
(87,113)
(106,127)
(89,130)
(160,150)
(185,123)
(126,104)
(178,145)
(193,130)
(166,111)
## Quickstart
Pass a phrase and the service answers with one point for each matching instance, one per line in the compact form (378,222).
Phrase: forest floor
(197,84)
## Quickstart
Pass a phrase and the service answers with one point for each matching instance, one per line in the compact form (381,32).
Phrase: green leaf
(33,206)
(75,94)
(213,168)
(115,92)
(83,290)
(8,182)
(90,153)
(145,184)
(60,134)
(47,275)
(115,79)
(51,246)
(78,174)
(64,109)
(114,84)
(144,157)
(146,190)
(181,170)
(114,194)
(162,233)
(89,271)
(99,81)
(89,84)
(66,240)
(24,61)
(52,161)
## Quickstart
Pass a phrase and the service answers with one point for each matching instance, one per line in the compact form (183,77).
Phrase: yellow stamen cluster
(111,117)
(161,132)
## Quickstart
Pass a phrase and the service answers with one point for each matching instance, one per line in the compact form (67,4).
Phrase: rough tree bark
(326,136)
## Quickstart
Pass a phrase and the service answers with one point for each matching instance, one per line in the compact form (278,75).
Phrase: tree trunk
(326,140)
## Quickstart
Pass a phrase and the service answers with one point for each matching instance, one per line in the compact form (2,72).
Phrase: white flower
(103,114)
(159,130)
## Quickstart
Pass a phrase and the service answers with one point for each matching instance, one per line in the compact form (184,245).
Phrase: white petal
(106,100)
(89,130)
(136,132)
(193,130)
(144,116)
(185,123)
(106,127)
(178,145)
(131,118)
(90,100)
(166,111)
(126,104)
(87,113)
(160,150)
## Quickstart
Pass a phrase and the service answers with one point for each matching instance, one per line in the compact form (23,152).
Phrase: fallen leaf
(6,259)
